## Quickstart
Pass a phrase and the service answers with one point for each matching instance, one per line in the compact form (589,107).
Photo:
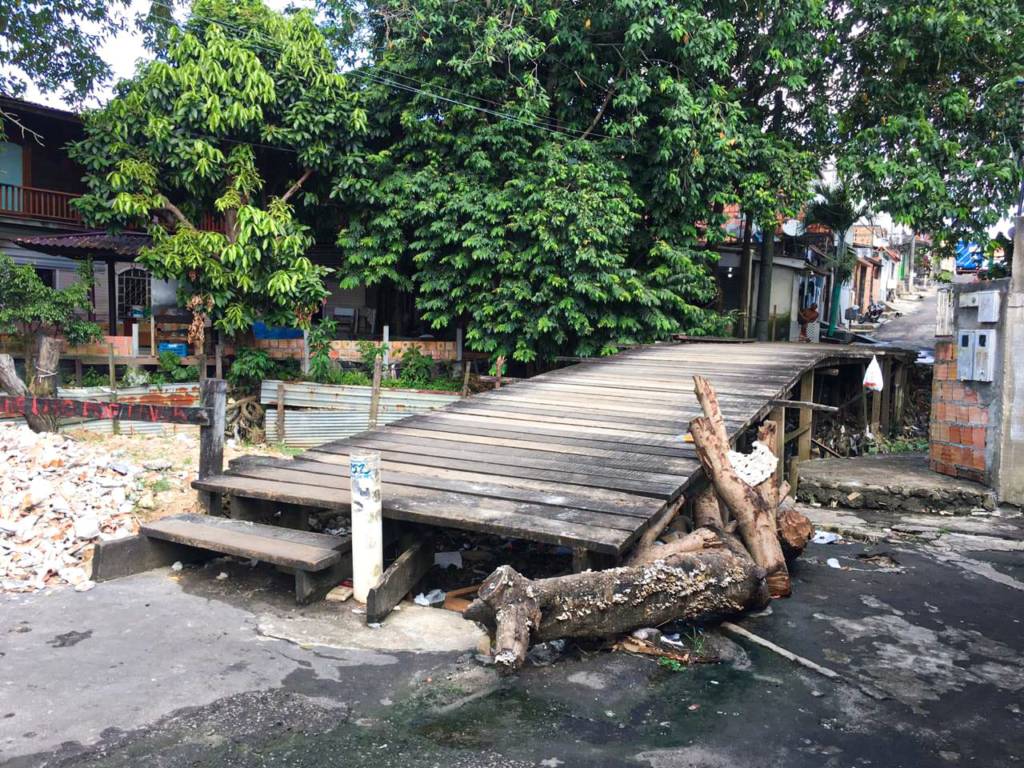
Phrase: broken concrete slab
(1003,532)
(897,482)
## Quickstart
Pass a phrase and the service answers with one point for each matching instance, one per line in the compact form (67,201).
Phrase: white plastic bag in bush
(873,376)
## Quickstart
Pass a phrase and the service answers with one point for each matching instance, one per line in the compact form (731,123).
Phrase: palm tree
(835,207)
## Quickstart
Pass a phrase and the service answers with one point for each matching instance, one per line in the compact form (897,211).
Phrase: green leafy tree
(780,79)
(835,207)
(55,45)
(242,117)
(931,110)
(537,172)
(42,317)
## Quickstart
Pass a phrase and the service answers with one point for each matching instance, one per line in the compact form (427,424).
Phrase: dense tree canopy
(55,44)
(931,109)
(242,115)
(550,176)
(540,170)
(554,173)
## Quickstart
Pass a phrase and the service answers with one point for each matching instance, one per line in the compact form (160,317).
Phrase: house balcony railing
(38,204)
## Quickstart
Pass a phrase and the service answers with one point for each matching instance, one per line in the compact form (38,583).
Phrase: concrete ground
(185,669)
(915,329)
(902,482)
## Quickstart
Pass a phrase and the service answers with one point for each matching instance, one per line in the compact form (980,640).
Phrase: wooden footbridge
(584,456)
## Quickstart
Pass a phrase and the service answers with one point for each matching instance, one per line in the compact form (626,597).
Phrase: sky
(123,50)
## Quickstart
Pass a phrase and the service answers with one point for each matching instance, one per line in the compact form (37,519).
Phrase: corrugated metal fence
(334,412)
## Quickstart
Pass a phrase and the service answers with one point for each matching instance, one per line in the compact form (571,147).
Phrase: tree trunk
(701,586)
(794,530)
(706,510)
(697,541)
(656,528)
(755,519)
(45,373)
(15,387)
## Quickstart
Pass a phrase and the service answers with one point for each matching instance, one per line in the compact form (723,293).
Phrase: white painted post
(305,351)
(367,523)
(385,339)
(135,338)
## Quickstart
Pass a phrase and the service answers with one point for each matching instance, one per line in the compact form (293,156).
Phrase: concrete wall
(977,427)
(1010,469)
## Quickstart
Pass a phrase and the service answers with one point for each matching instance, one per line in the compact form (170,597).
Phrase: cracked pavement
(173,670)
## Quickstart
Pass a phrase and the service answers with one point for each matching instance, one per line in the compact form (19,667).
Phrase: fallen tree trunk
(705,585)
(794,530)
(755,520)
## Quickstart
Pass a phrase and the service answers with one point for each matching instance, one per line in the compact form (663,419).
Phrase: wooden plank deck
(583,456)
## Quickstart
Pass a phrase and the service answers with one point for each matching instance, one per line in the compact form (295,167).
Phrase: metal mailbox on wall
(965,341)
(984,354)
(975,359)
(988,307)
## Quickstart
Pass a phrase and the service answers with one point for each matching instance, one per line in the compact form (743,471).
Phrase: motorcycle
(873,313)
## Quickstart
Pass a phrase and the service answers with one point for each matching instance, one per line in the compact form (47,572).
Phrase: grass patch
(159,485)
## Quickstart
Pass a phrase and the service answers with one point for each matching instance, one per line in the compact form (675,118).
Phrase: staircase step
(301,550)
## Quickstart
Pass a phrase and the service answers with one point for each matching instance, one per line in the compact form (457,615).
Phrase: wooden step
(285,547)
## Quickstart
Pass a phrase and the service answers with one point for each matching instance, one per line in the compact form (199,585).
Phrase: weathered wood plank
(400,577)
(551,439)
(583,456)
(266,543)
(334,476)
(532,469)
(656,470)
(451,510)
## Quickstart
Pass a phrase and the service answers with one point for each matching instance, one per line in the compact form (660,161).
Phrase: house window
(132,291)
(47,277)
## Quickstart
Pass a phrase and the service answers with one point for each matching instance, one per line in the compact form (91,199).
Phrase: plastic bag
(873,376)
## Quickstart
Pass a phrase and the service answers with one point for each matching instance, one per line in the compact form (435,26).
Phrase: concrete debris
(57,498)
(157,465)
(833,563)
(339,594)
(433,597)
(826,537)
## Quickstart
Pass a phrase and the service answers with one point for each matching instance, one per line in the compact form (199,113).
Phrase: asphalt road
(177,670)
(916,328)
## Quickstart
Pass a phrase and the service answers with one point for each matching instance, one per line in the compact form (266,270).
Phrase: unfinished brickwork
(959,431)
(281,349)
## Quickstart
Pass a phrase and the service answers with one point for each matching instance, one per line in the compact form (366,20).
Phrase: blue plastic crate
(178,348)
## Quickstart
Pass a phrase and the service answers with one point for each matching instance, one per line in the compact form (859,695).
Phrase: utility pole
(764,282)
(764,275)
(746,270)
(909,277)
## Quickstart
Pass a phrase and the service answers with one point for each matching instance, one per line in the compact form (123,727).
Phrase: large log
(707,513)
(755,520)
(794,529)
(706,585)
(654,530)
(47,368)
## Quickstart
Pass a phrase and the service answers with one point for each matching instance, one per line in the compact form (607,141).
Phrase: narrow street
(188,669)
(915,329)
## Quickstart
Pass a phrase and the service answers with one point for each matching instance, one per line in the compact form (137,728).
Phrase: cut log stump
(706,585)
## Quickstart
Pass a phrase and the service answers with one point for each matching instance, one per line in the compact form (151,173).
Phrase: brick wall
(959,430)
(281,349)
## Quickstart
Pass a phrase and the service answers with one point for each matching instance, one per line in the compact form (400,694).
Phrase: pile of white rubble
(58,497)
